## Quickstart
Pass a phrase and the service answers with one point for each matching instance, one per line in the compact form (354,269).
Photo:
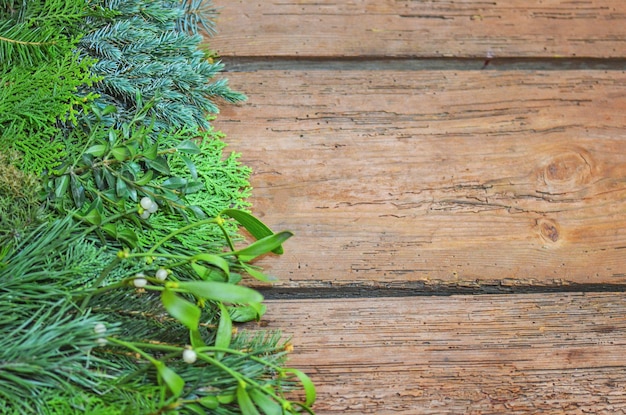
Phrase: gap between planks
(377,63)
(514,354)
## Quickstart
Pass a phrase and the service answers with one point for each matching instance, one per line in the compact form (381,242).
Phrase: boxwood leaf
(78,191)
(120,153)
(188,146)
(191,166)
(97,150)
(159,164)
(61,185)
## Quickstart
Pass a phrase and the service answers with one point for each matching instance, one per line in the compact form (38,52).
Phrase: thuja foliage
(40,76)
(120,259)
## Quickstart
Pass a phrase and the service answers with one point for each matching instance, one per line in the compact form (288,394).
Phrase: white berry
(189,356)
(100,328)
(146,202)
(161,274)
(140,282)
(153,208)
(101,341)
(144,215)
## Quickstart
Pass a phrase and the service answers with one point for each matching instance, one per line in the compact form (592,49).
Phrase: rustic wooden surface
(405,28)
(440,147)
(493,354)
(447,177)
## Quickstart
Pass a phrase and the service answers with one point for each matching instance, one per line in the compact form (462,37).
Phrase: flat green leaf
(210,402)
(97,150)
(110,179)
(191,166)
(132,149)
(213,260)
(109,109)
(234,278)
(262,246)
(206,273)
(188,147)
(181,309)
(98,176)
(93,213)
(151,152)
(127,236)
(253,225)
(120,153)
(172,379)
(193,187)
(145,179)
(112,136)
(174,183)
(159,164)
(246,313)
(61,185)
(197,211)
(226,399)
(121,189)
(265,403)
(222,291)
(78,191)
(224,332)
(245,403)
(308,386)
(110,229)
(258,274)
(196,409)
(196,339)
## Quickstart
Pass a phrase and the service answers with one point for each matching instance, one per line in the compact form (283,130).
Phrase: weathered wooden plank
(391,178)
(404,28)
(516,354)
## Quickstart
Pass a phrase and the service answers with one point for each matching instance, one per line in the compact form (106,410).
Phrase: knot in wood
(565,176)
(548,230)
(567,171)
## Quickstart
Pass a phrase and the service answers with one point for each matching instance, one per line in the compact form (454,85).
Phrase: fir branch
(149,49)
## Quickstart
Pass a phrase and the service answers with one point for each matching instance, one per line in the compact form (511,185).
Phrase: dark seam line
(247,64)
(278,293)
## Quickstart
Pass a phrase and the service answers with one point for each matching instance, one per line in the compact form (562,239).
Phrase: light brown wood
(462,178)
(404,28)
(548,354)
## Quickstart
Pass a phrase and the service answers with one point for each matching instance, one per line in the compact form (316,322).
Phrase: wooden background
(454,173)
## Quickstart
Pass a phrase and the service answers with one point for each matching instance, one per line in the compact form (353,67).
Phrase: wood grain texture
(404,28)
(548,354)
(390,178)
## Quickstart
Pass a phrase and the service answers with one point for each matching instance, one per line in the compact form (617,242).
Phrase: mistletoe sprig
(187,285)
